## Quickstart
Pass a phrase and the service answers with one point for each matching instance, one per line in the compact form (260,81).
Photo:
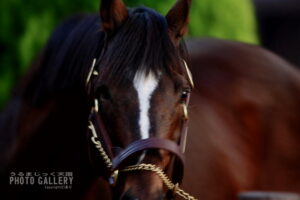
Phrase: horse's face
(142,88)
(149,105)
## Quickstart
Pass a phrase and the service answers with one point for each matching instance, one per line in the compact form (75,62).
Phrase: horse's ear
(113,13)
(178,18)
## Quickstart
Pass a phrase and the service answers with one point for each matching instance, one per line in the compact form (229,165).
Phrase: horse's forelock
(142,43)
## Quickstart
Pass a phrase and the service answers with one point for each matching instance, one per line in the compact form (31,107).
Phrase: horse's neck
(52,134)
(8,130)
(52,138)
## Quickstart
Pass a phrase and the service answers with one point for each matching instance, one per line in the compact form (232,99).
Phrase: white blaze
(145,85)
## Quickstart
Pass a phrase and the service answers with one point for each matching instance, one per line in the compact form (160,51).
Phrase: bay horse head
(139,87)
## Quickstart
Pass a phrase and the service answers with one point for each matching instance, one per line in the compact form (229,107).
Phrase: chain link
(163,176)
(145,167)
(99,146)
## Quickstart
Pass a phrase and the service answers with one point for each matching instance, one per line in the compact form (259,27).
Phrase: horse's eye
(184,95)
(104,97)
(103,94)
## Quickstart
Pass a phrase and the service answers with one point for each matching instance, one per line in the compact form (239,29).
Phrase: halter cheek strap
(189,74)
(91,72)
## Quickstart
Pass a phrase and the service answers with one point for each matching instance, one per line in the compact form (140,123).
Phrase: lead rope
(140,167)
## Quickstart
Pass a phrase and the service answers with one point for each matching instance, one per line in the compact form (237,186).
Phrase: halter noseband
(115,161)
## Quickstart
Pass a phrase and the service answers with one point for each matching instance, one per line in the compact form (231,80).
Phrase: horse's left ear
(113,13)
(178,18)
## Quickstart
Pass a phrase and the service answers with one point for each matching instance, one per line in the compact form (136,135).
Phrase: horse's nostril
(128,196)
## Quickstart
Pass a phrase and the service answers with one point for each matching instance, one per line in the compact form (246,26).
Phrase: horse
(242,117)
(106,101)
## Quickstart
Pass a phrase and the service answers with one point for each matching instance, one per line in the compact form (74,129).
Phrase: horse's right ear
(113,13)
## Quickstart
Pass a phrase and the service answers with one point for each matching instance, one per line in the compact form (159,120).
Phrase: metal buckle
(96,105)
(185,111)
(114,178)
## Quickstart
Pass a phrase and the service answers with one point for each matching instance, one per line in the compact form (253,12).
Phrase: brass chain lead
(163,176)
(99,146)
(145,167)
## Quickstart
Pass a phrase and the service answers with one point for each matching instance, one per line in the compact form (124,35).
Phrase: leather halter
(119,158)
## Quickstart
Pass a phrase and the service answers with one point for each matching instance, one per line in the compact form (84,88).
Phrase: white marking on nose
(145,85)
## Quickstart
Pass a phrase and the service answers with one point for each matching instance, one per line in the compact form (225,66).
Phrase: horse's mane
(142,43)
(62,65)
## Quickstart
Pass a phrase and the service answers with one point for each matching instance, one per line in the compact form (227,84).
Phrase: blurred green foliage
(26,25)
(227,19)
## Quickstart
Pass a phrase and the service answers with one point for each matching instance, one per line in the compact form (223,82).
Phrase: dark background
(279,27)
